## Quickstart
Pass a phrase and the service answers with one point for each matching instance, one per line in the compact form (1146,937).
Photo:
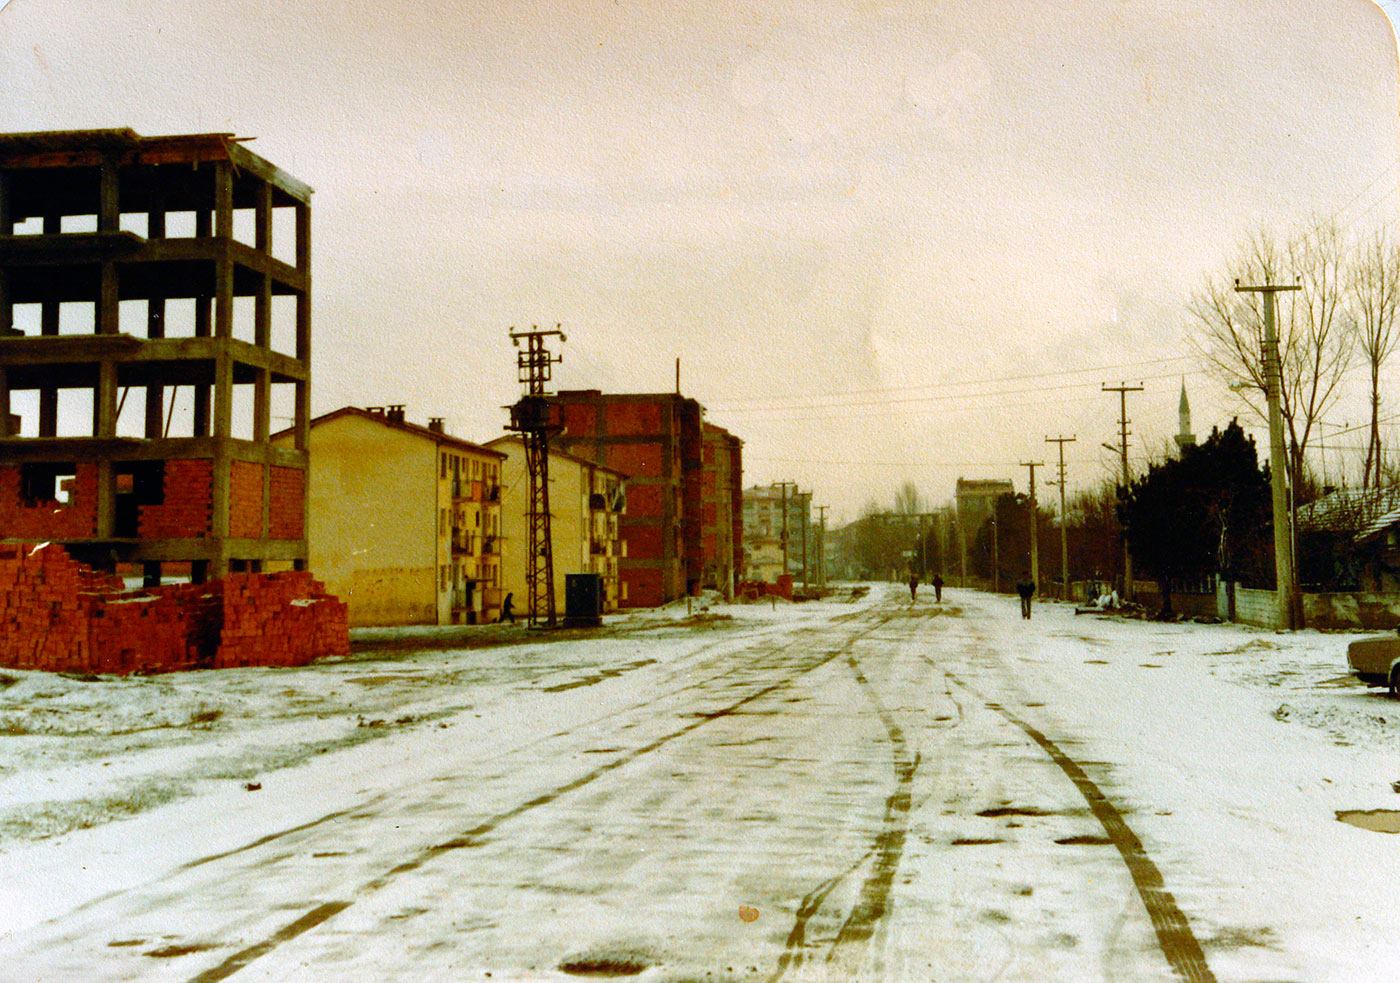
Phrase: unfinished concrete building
(155,317)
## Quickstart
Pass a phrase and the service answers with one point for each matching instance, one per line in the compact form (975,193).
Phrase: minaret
(1185,438)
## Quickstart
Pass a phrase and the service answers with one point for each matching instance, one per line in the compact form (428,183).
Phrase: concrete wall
(1254,607)
(1352,610)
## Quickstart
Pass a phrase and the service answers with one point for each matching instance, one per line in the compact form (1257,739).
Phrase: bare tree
(1314,331)
(1373,289)
(908,501)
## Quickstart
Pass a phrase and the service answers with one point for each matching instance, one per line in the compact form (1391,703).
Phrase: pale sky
(889,241)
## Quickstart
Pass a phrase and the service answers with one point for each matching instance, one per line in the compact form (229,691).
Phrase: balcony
(463,541)
(490,546)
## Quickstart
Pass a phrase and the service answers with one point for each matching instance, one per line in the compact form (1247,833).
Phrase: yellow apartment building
(404,520)
(585,500)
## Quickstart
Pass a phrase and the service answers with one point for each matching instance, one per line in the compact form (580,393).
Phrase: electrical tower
(532,418)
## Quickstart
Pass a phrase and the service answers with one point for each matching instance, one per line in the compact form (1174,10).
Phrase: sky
(889,241)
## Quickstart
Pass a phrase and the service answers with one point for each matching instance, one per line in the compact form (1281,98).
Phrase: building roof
(78,148)
(411,428)
(1362,513)
(556,452)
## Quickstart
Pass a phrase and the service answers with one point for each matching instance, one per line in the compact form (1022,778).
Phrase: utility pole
(996,555)
(1122,390)
(821,547)
(531,418)
(805,511)
(1064,539)
(1286,585)
(1035,544)
(785,485)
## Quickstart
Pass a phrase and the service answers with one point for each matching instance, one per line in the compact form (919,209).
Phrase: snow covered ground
(835,790)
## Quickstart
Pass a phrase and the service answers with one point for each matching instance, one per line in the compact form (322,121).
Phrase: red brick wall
(646,500)
(580,419)
(49,520)
(635,460)
(188,488)
(245,500)
(644,587)
(288,495)
(643,542)
(628,418)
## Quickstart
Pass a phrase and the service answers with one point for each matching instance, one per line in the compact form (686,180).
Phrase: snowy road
(836,791)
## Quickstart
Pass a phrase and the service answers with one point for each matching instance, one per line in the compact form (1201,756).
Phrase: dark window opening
(44,482)
(138,483)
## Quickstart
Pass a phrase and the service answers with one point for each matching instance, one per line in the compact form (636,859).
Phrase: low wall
(1256,607)
(1352,610)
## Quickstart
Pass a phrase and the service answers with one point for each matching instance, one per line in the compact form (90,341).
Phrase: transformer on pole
(533,418)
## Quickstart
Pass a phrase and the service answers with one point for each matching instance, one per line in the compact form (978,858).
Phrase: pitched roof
(412,428)
(556,452)
(1362,513)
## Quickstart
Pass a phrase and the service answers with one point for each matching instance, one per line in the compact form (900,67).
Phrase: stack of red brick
(188,502)
(275,619)
(61,616)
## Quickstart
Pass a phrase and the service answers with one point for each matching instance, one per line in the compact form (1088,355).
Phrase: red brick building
(722,509)
(673,545)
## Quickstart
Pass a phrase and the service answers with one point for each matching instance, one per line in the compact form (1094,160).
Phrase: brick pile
(287,509)
(59,615)
(185,513)
(245,500)
(76,519)
(276,619)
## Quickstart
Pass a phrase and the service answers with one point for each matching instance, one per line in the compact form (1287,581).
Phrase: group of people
(1025,590)
(937,583)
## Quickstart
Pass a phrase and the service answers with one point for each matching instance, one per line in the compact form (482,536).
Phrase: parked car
(1376,660)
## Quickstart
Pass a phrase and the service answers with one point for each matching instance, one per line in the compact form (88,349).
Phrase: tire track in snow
(887,850)
(474,836)
(1174,936)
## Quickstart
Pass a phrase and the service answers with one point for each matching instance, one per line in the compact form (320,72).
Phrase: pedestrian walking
(1025,589)
(913,587)
(507,610)
(938,588)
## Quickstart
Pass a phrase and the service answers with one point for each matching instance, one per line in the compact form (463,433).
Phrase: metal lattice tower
(531,417)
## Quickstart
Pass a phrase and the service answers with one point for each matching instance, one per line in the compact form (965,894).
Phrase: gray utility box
(583,600)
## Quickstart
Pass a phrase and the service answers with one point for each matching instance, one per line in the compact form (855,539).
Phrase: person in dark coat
(913,587)
(507,609)
(1025,589)
(938,588)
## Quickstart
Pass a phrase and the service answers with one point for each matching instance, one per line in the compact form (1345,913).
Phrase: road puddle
(1001,811)
(1375,820)
(975,841)
(602,968)
(1084,841)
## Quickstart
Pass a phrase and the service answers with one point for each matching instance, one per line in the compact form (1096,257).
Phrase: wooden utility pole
(1035,544)
(1122,389)
(1064,539)
(1285,584)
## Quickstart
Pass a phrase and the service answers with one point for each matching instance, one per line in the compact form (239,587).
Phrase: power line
(990,380)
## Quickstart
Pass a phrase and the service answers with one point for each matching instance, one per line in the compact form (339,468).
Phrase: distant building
(764,532)
(1184,438)
(658,440)
(977,501)
(586,502)
(405,520)
(721,509)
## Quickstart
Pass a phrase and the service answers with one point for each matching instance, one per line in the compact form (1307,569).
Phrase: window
(442,522)
(443,473)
